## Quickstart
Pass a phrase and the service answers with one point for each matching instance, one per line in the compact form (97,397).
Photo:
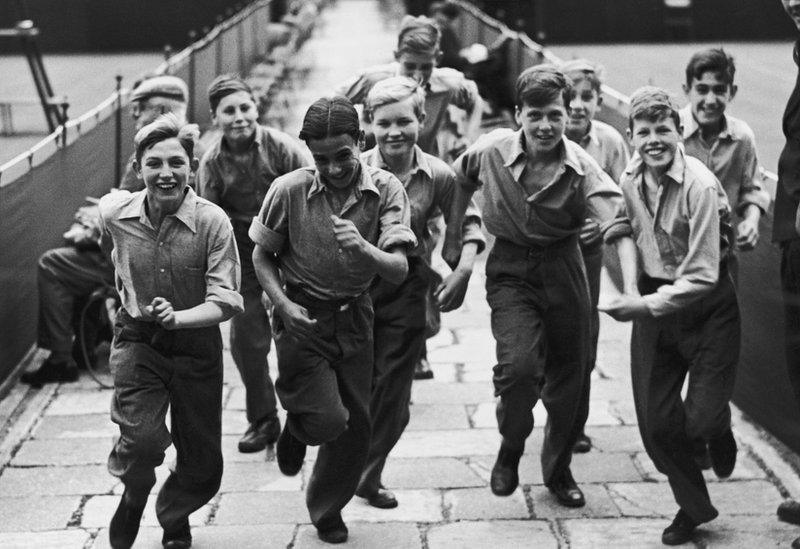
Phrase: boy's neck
(241,146)
(710,132)
(577,134)
(545,157)
(399,164)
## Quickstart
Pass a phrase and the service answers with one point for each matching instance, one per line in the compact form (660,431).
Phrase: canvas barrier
(762,389)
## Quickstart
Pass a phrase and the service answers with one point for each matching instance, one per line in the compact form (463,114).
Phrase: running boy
(538,188)
(235,173)
(607,147)
(395,108)
(686,322)
(327,232)
(177,273)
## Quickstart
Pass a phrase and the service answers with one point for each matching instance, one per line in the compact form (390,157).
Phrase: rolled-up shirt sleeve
(751,190)
(271,227)
(468,167)
(699,270)
(223,272)
(605,205)
(395,218)
(471,226)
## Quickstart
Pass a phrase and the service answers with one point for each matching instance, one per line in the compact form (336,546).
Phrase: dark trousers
(593,261)
(65,276)
(701,340)
(250,336)
(399,333)
(790,283)
(324,384)
(155,369)
(540,320)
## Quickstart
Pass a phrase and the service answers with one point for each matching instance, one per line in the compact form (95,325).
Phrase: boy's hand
(162,311)
(451,249)
(348,237)
(450,293)
(747,235)
(590,232)
(626,307)
(296,320)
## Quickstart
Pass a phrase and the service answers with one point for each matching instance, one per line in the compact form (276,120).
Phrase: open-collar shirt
(607,147)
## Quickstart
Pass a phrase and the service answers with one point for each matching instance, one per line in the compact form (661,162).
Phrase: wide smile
(656,152)
(167,185)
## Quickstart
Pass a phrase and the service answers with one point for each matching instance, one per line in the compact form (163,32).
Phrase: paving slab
(414,506)
(467,351)
(80,402)
(447,443)
(746,469)
(643,499)
(74,451)
(262,508)
(644,533)
(624,439)
(435,392)
(57,481)
(31,513)
(746,531)
(604,467)
(499,534)
(430,473)
(432,417)
(364,535)
(257,477)
(263,536)
(54,539)
(76,426)
(231,453)
(98,510)
(481,504)
(598,504)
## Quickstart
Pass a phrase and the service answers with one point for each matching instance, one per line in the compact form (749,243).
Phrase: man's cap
(170,87)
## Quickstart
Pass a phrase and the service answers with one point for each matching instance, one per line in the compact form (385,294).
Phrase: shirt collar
(135,209)
(365,183)
(691,127)
(590,137)
(516,151)
(419,163)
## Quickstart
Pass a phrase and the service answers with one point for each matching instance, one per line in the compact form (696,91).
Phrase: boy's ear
(599,99)
(396,55)
(362,140)
(517,115)
(629,135)
(438,57)
(194,164)
(686,88)
(137,168)
(421,117)
(733,89)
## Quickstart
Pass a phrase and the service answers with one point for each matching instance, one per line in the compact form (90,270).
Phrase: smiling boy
(686,317)
(538,188)
(322,235)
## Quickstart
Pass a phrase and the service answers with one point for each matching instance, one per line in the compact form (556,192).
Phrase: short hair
(578,70)
(224,85)
(418,35)
(653,104)
(394,90)
(166,126)
(330,116)
(714,60)
(542,84)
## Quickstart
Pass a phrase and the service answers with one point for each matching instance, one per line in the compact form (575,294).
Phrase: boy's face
(543,126)
(417,65)
(792,8)
(396,127)
(656,141)
(336,158)
(236,115)
(165,168)
(583,105)
(709,96)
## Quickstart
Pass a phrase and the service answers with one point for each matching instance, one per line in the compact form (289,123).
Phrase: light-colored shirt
(239,188)
(295,224)
(579,190)
(430,187)
(189,260)
(445,87)
(732,158)
(680,239)
(607,147)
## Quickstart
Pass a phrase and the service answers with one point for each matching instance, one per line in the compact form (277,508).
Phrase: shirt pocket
(191,287)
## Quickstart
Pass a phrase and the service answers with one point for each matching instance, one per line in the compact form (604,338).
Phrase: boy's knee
(517,374)
(322,428)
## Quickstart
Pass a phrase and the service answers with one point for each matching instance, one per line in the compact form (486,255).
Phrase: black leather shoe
(423,370)
(796,543)
(789,511)
(582,445)
(260,434)
(334,534)
(566,490)
(723,454)
(124,524)
(180,538)
(680,531)
(290,452)
(382,499)
(52,372)
(505,477)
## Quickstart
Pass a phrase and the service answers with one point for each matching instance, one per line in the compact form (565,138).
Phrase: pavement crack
(77,515)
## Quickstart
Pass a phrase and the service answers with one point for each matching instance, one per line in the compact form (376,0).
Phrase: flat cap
(167,86)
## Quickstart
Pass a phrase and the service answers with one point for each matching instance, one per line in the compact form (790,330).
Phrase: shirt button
(162,270)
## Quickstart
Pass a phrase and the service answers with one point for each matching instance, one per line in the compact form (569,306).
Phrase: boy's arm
(466,167)
(753,199)
(390,265)
(468,99)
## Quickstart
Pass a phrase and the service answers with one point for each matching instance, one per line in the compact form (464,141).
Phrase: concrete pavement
(55,491)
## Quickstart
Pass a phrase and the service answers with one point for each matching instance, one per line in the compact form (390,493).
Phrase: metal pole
(118,135)
(192,70)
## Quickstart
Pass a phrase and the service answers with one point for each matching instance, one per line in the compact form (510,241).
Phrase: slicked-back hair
(224,85)
(652,104)
(578,70)
(166,126)
(329,117)
(540,85)
(714,60)
(418,35)
(394,90)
